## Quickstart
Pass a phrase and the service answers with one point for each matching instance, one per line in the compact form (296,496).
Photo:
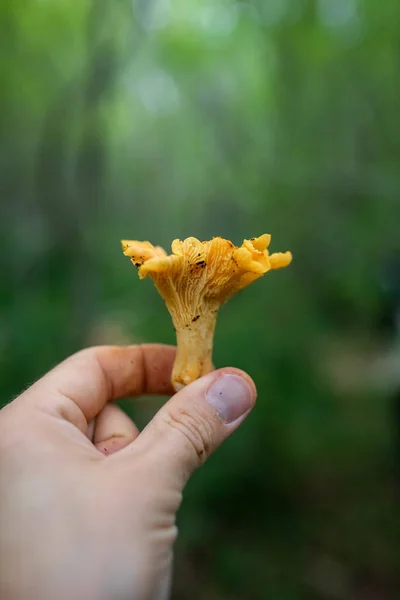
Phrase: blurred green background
(157,119)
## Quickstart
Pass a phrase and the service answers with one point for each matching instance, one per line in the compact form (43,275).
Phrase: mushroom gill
(194,281)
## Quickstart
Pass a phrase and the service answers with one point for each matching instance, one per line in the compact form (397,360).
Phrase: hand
(87,504)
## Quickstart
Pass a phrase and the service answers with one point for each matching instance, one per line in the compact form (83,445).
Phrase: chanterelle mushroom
(194,281)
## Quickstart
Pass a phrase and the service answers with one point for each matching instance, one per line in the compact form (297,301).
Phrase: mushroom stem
(194,350)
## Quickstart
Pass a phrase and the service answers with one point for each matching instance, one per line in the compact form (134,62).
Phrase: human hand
(87,504)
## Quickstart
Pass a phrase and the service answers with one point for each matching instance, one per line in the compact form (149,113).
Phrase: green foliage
(164,119)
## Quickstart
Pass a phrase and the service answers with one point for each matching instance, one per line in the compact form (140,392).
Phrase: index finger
(94,376)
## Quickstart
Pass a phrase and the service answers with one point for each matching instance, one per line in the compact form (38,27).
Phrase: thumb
(194,422)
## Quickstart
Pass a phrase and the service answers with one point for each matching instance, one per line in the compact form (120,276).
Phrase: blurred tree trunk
(77,172)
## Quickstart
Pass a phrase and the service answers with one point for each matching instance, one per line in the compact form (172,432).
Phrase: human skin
(87,503)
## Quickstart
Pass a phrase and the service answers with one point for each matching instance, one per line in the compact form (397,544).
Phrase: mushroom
(194,281)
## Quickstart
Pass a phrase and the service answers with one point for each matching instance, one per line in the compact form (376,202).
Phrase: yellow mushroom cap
(194,281)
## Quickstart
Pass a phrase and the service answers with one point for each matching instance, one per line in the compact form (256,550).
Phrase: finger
(79,387)
(189,427)
(114,430)
(90,429)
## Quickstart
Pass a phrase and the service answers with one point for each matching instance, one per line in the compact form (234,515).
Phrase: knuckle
(195,426)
